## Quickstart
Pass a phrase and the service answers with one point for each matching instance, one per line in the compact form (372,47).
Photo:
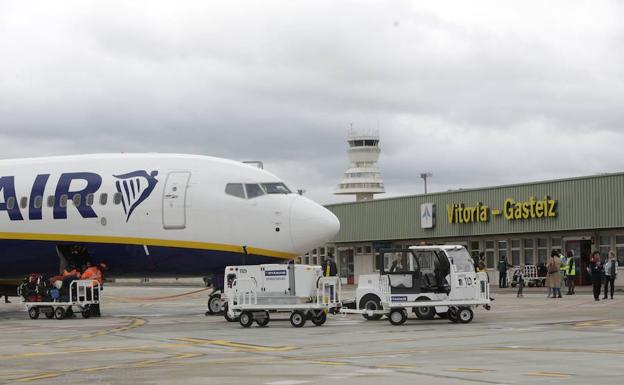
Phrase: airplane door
(174,200)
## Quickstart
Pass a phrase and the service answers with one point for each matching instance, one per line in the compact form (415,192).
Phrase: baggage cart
(82,295)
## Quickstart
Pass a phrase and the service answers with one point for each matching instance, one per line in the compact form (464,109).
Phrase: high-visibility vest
(93,273)
(571,267)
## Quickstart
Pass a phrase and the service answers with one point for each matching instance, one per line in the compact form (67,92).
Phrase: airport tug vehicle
(254,292)
(426,280)
(82,294)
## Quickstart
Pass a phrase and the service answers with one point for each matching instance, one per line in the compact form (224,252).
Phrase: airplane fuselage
(151,214)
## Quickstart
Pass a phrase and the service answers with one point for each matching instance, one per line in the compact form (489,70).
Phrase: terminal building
(521,222)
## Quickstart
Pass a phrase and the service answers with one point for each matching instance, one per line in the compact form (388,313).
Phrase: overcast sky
(477,92)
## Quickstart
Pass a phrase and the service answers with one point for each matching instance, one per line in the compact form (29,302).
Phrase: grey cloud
(478,95)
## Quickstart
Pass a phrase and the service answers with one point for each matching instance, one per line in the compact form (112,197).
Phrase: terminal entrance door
(582,251)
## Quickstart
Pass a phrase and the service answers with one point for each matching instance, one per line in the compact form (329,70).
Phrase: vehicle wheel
(59,313)
(538,283)
(465,315)
(246,319)
(49,314)
(264,321)
(371,302)
(531,284)
(424,312)
(33,312)
(513,284)
(397,316)
(319,319)
(453,314)
(214,304)
(227,316)
(297,319)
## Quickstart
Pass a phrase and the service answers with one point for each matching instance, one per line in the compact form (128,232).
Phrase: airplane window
(235,189)
(50,200)
(63,202)
(38,201)
(117,198)
(90,200)
(10,203)
(103,199)
(77,200)
(24,202)
(253,190)
(275,188)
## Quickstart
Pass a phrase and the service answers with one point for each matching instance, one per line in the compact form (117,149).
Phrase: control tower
(362,179)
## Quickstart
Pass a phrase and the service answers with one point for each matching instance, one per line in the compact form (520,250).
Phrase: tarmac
(160,335)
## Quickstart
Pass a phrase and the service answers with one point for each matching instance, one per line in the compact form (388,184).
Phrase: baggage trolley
(247,304)
(82,294)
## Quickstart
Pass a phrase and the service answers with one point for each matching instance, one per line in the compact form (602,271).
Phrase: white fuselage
(164,214)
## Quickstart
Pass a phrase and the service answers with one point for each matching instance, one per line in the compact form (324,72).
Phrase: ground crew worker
(563,270)
(94,273)
(329,266)
(571,272)
(330,270)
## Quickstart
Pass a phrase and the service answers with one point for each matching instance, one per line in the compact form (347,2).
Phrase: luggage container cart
(531,277)
(82,294)
(247,302)
(426,280)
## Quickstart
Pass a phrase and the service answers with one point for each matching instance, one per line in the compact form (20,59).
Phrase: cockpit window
(275,188)
(253,190)
(235,189)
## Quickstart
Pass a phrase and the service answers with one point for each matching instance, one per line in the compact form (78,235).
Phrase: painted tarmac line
(469,370)
(238,345)
(550,374)
(135,323)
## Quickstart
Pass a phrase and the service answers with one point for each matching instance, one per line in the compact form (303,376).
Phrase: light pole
(426,175)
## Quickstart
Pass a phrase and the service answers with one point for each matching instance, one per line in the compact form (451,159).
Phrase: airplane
(150,215)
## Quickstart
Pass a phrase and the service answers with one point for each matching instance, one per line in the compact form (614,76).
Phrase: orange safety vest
(93,273)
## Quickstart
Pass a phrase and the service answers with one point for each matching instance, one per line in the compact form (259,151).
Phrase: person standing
(596,271)
(571,273)
(610,271)
(329,266)
(554,275)
(563,270)
(520,279)
(502,272)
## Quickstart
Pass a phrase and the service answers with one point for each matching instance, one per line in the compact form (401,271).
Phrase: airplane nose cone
(311,224)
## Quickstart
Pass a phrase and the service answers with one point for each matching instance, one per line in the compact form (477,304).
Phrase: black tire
(59,313)
(33,312)
(397,316)
(227,316)
(424,312)
(264,321)
(513,284)
(453,314)
(371,302)
(319,319)
(214,304)
(297,319)
(465,315)
(246,319)
(49,314)
(86,313)
(531,284)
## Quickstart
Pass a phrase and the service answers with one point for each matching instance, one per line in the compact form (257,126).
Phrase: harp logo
(135,187)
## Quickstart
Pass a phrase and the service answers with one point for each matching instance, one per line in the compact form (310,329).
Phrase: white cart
(83,294)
